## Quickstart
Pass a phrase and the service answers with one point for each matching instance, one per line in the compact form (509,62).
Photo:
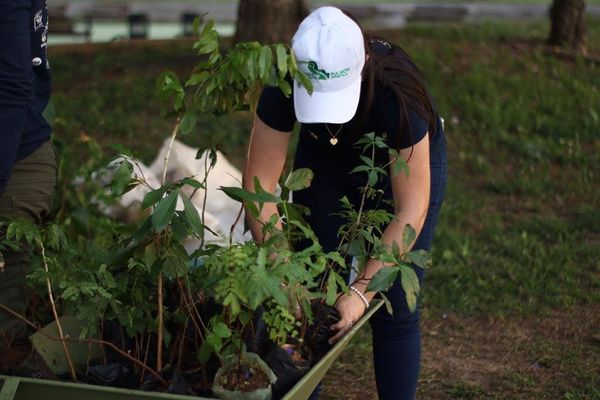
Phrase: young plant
(360,236)
(126,281)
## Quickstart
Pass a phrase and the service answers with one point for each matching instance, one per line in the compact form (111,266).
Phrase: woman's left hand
(351,308)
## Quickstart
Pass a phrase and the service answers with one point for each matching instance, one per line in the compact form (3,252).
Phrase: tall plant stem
(287,219)
(159,283)
(159,339)
(205,183)
(237,220)
(188,300)
(168,155)
(55,313)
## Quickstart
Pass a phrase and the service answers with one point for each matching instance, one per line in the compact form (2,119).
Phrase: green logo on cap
(316,73)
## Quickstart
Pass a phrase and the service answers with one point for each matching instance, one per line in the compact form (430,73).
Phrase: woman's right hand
(351,309)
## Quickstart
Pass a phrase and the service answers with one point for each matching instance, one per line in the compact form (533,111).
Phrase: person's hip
(31,186)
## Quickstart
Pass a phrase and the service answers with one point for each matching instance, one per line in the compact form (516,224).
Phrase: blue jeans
(396,338)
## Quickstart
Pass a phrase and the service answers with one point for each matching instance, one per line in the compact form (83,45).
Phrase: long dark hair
(393,68)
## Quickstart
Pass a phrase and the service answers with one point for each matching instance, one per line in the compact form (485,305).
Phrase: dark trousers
(396,338)
(28,195)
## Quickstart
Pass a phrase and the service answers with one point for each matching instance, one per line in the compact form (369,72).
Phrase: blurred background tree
(568,25)
(269,21)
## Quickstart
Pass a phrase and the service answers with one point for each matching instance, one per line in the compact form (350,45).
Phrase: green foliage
(361,234)
(227,82)
(281,324)
(103,271)
(217,332)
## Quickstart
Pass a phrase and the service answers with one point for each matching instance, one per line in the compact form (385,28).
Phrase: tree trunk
(568,24)
(269,21)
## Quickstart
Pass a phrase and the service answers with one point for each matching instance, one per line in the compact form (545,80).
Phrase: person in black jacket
(27,158)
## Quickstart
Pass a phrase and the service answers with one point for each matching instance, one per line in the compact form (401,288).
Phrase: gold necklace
(334,139)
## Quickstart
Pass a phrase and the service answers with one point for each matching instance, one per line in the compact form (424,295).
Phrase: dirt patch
(534,357)
(245,378)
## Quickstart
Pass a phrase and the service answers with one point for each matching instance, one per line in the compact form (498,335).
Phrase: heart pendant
(333,141)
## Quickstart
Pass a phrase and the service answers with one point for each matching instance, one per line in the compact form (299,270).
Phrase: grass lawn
(510,305)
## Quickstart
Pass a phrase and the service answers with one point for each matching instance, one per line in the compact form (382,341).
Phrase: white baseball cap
(330,50)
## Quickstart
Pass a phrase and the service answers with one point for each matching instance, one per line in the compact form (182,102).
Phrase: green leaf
(192,182)
(164,211)
(360,168)
(207,43)
(207,28)
(306,230)
(251,208)
(383,279)
(179,226)
(365,139)
(372,178)
(410,284)
(420,257)
(396,250)
(242,195)
(152,197)
(303,80)
(221,330)
(149,255)
(299,179)
(285,88)
(122,178)
(264,62)
(188,123)
(232,301)
(399,165)
(54,237)
(337,258)
(367,160)
(387,303)
(292,63)
(168,85)
(197,78)
(196,27)
(408,237)
(385,257)
(174,266)
(341,282)
(166,337)
(215,342)
(281,52)
(247,45)
(204,352)
(251,64)
(331,289)
(191,215)
(380,143)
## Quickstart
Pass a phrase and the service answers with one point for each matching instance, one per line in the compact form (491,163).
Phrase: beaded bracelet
(360,295)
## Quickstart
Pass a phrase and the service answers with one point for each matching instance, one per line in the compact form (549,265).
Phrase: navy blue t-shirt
(24,81)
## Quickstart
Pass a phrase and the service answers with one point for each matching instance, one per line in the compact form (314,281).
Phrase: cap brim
(326,107)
